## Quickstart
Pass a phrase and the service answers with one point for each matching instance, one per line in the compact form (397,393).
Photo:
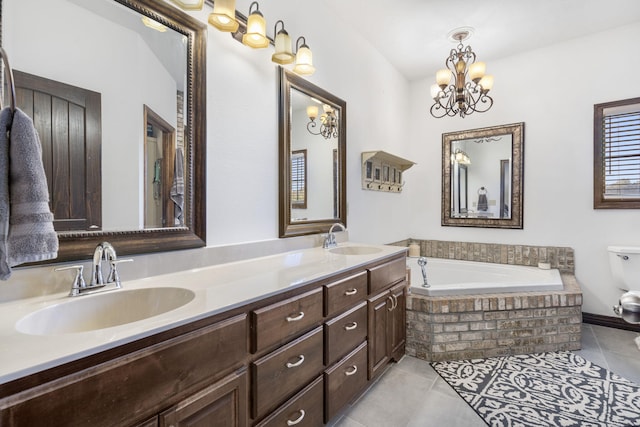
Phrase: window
(616,182)
(299,179)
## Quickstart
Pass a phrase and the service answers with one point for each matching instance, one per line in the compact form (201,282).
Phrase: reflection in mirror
(482,177)
(312,153)
(145,61)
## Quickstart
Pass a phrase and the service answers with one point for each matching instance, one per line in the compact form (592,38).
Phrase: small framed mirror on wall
(482,177)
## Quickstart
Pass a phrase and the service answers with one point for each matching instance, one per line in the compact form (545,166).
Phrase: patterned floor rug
(542,390)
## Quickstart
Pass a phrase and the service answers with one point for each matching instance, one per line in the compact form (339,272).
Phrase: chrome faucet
(103,250)
(422,262)
(330,238)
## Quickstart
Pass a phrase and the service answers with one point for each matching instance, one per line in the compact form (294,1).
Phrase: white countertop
(217,289)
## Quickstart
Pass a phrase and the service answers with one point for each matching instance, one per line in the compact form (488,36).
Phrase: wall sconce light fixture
(256,35)
(223,16)
(283,54)
(304,59)
(189,4)
(328,121)
(461,97)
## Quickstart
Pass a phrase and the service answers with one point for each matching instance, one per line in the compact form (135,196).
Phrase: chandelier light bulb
(477,70)
(443,77)
(486,82)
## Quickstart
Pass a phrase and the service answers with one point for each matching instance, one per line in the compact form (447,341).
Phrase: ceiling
(412,34)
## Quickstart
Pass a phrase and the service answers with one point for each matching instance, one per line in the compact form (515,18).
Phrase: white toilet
(625,267)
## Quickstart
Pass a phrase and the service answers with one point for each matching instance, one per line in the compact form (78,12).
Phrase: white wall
(551,90)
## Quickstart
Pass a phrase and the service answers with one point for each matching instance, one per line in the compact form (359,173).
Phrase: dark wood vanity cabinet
(386,314)
(295,359)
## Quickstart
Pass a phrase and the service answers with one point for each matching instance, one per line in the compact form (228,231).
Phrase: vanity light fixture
(256,35)
(453,94)
(189,4)
(223,16)
(328,121)
(155,25)
(283,54)
(304,59)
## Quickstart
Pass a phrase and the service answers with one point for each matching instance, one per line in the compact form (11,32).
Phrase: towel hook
(10,84)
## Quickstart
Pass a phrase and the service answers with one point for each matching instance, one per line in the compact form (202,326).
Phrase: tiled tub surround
(478,326)
(561,258)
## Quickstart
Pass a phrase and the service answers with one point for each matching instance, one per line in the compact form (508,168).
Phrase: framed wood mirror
(312,153)
(149,69)
(482,177)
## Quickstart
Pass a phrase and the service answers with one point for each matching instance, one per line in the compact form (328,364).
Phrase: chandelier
(453,94)
(328,121)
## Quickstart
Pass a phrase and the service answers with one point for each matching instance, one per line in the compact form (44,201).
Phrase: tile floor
(412,394)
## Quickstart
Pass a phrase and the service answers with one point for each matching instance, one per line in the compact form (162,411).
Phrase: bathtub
(455,277)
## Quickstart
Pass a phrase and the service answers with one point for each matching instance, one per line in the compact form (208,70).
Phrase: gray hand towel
(31,234)
(177,188)
(5,122)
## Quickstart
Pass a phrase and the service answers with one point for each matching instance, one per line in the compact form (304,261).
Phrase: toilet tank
(625,266)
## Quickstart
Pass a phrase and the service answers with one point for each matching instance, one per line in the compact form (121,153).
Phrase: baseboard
(609,321)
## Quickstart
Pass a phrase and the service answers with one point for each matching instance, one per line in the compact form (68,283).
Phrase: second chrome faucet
(330,239)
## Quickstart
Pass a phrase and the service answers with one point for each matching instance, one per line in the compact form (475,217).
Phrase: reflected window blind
(299,179)
(621,147)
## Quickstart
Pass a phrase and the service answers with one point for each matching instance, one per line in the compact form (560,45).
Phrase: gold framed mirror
(167,73)
(312,154)
(482,177)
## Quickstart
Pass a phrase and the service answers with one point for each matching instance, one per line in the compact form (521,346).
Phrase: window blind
(621,146)
(298,179)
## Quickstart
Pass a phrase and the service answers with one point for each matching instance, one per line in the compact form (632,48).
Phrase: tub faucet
(422,262)
(330,239)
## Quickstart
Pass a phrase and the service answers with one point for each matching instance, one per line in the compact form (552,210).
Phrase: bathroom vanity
(288,339)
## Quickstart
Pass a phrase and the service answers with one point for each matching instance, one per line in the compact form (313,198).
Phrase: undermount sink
(355,250)
(103,310)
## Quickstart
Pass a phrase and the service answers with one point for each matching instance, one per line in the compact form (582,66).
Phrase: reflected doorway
(159,160)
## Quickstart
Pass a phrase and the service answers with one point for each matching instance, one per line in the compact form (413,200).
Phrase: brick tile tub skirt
(478,326)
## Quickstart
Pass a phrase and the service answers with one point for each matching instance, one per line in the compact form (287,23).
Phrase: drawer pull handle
(295,318)
(353,370)
(297,420)
(351,292)
(298,363)
(351,326)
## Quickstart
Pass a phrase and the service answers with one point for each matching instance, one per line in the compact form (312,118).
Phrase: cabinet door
(397,321)
(379,344)
(223,404)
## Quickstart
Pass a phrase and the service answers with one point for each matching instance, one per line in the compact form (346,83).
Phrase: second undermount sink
(355,250)
(103,310)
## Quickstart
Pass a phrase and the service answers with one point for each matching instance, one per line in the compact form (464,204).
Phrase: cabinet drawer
(345,332)
(305,409)
(276,323)
(344,380)
(386,274)
(283,372)
(345,293)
